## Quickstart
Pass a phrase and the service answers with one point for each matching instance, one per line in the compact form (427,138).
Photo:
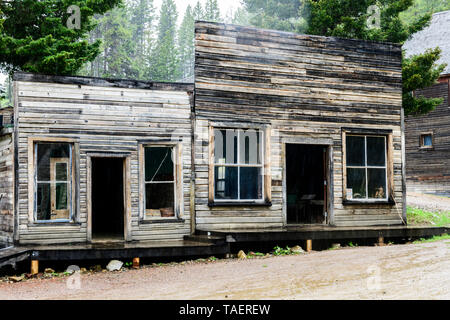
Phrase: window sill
(53,223)
(367,202)
(168,220)
(239,204)
(426,148)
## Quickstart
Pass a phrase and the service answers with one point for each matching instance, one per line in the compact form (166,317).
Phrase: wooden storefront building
(278,130)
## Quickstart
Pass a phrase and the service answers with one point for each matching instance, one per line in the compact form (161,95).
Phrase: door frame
(126,191)
(327,144)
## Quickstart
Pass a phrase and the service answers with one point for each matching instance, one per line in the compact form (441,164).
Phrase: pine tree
(186,37)
(212,11)
(164,59)
(36,38)
(198,12)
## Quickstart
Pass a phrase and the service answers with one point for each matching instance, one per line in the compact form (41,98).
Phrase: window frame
(422,140)
(33,170)
(177,182)
(265,199)
(387,134)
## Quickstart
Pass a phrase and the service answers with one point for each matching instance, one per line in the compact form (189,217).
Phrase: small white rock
(114,265)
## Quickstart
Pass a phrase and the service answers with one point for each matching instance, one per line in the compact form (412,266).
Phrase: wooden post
(381,241)
(135,263)
(308,245)
(34,267)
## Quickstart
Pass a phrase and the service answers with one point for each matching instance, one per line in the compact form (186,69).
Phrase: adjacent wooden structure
(301,97)
(428,162)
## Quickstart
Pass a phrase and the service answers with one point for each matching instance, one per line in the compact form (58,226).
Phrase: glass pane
(158,164)
(43,199)
(376,151)
(61,171)
(250,146)
(427,140)
(356,183)
(61,196)
(355,151)
(45,151)
(226,183)
(250,183)
(376,183)
(160,196)
(225,146)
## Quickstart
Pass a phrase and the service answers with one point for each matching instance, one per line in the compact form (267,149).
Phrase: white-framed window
(238,165)
(53,178)
(160,181)
(366,167)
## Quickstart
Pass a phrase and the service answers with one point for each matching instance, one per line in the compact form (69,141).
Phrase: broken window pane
(356,182)
(355,150)
(250,183)
(225,146)
(43,210)
(226,183)
(47,151)
(250,147)
(158,164)
(159,196)
(376,180)
(376,151)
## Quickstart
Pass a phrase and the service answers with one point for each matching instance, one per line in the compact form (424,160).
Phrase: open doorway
(306,187)
(107,198)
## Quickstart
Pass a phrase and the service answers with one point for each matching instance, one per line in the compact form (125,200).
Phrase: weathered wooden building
(428,136)
(279,129)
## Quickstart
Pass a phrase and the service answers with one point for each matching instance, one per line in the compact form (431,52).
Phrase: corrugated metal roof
(436,35)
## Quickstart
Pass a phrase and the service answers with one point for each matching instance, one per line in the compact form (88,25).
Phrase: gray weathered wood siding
(6,186)
(305,89)
(100,115)
(428,170)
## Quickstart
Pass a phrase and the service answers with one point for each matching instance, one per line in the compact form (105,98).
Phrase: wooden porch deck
(321,232)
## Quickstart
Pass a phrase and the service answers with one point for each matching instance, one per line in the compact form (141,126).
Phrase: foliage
(348,19)
(423,6)
(416,216)
(34,36)
(212,11)
(186,36)
(278,251)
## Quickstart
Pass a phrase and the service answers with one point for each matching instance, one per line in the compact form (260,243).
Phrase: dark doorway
(107,199)
(306,183)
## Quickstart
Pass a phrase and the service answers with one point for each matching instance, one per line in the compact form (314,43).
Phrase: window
(426,140)
(238,165)
(160,186)
(366,167)
(53,181)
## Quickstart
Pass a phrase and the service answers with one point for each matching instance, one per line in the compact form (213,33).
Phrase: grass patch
(417,216)
(433,239)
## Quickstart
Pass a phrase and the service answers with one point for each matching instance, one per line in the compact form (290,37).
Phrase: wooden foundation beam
(34,267)
(381,241)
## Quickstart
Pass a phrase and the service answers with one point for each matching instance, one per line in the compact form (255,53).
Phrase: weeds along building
(279,130)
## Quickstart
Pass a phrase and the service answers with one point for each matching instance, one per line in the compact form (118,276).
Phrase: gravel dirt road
(428,202)
(412,271)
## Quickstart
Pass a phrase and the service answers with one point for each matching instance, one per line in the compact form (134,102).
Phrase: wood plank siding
(101,116)
(6,186)
(428,169)
(299,89)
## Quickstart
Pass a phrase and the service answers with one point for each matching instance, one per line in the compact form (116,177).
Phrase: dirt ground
(411,271)
(428,202)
